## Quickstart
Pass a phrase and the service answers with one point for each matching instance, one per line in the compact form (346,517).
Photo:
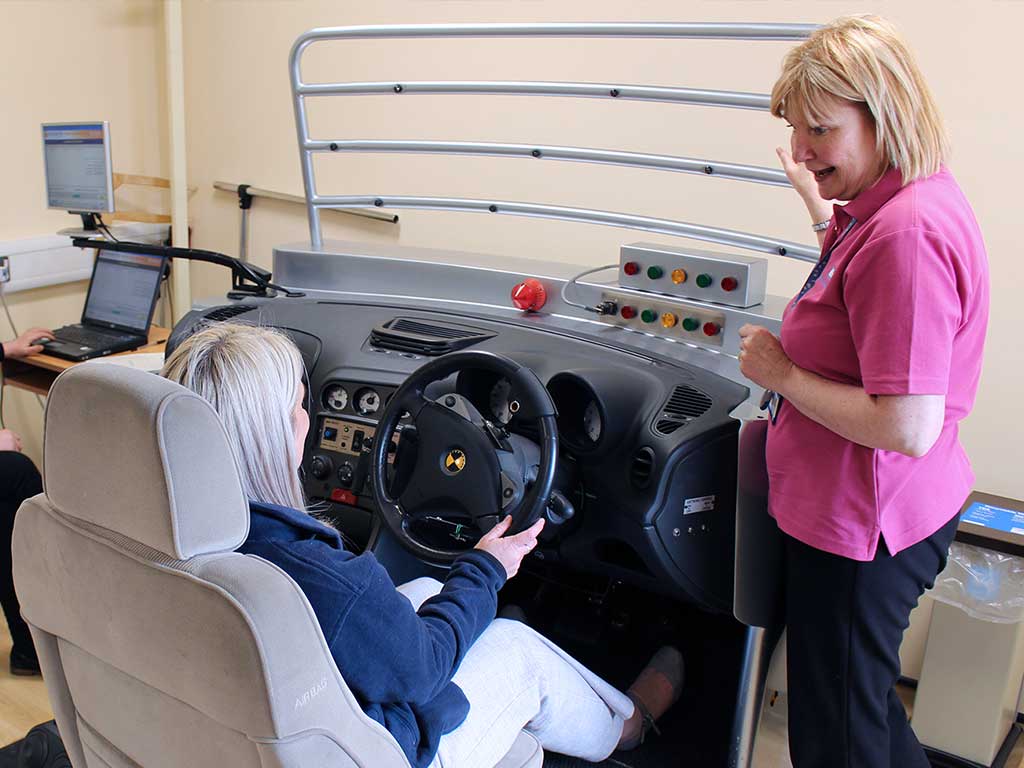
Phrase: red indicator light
(711,329)
(628,312)
(631,268)
(529,295)
(730,283)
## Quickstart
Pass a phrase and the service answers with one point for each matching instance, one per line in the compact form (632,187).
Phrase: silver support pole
(714,168)
(243,245)
(757,654)
(695,96)
(586,215)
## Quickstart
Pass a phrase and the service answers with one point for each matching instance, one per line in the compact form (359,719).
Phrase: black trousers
(19,479)
(844,625)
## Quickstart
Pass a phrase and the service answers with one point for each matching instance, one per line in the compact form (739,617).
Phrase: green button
(691,324)
(704,280)
(655,272)
(648,315)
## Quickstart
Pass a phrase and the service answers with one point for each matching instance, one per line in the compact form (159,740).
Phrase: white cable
(572,281)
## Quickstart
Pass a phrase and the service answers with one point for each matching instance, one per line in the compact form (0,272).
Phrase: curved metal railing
(309,146)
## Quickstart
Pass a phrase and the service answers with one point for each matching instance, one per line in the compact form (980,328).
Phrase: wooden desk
(37,372)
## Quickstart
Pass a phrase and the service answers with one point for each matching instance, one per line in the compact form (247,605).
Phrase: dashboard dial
(502,407)
(592,425)
(367,401)
(335,397)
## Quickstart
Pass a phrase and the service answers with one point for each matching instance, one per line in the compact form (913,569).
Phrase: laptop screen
(123,290)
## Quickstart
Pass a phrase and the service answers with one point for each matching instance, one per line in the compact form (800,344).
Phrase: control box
(730,279)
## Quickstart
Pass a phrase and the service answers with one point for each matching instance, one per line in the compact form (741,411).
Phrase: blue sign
(1008,520)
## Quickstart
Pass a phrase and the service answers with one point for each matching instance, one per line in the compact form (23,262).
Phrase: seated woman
(451,683)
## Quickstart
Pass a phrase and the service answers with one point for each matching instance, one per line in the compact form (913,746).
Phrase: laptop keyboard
(87,337)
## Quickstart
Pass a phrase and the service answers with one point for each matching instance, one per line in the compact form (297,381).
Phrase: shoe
(24,664)
(655,689)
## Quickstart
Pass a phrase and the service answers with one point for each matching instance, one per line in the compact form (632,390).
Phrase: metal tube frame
(730,99)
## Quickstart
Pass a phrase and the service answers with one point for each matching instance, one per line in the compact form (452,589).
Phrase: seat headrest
(137,454)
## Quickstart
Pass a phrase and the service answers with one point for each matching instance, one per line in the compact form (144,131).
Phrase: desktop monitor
(79,174)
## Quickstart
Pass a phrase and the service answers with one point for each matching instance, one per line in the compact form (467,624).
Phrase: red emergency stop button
(712,329)
(730,283)
(529,295)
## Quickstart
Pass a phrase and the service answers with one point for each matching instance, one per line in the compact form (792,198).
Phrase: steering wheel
(463,464)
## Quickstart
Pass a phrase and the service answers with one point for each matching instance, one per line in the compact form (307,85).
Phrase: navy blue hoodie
(398,664)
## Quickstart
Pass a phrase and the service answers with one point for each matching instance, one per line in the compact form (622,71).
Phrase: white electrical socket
(5,269)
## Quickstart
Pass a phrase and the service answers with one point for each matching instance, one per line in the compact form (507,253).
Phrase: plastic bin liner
(984,584)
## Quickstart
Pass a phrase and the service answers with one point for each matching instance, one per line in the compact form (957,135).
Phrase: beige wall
(67,60)
(240,129)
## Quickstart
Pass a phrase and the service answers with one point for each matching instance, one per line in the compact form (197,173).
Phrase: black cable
(106,230)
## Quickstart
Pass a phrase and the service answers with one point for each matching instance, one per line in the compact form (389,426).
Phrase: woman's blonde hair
(252,378)
(863,59)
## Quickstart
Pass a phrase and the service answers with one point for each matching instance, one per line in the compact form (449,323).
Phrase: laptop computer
(123,292)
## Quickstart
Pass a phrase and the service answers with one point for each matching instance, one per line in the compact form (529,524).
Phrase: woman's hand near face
(801,178)
(805,185)
(510,550)
(762,359)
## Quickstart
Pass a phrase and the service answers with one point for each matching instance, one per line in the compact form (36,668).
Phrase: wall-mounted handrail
(227,186)
(734,171)
(302,90)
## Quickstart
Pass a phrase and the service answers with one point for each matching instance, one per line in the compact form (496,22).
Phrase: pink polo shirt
(899,308)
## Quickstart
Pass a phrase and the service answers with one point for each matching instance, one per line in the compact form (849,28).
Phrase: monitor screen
(123,290)
(79,176)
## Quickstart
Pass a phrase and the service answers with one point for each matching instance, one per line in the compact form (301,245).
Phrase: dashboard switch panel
(734,280)
(682,322)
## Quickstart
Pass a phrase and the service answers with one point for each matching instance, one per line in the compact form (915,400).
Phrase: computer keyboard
(89,337)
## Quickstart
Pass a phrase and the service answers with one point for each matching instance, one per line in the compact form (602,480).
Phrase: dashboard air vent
(642,468)
(685,405)
(231,310)
(421,337)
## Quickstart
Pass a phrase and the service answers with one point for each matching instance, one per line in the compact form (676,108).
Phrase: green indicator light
(648,315)
(704,280)
(691,324)
(655,272)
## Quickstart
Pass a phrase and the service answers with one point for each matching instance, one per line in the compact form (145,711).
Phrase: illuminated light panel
(668,320)
(679,276)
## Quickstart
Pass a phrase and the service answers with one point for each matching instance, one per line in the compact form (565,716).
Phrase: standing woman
(878,361)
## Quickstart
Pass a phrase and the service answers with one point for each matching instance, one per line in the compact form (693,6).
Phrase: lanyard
(822,262)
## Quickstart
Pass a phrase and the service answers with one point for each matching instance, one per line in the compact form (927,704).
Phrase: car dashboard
(647,449)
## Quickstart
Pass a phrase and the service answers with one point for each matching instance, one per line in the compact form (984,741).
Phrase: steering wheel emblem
(454,461)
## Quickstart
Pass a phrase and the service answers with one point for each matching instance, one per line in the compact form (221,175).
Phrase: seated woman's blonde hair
(863,59)
(252,377)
